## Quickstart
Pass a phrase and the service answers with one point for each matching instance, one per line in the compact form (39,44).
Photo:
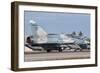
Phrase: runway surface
(44,56)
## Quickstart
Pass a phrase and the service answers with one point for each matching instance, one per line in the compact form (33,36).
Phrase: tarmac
(54,55)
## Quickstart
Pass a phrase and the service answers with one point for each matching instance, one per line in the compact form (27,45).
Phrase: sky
(58,22)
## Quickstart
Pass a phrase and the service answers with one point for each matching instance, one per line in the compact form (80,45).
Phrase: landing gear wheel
(48,50)
(60,50)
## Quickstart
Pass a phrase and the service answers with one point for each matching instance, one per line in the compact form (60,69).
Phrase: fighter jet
(42,40)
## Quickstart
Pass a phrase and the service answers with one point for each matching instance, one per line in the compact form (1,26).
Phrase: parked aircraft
(41,40)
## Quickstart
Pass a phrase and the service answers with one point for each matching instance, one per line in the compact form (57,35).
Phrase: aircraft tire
(48,50)
(60,50)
